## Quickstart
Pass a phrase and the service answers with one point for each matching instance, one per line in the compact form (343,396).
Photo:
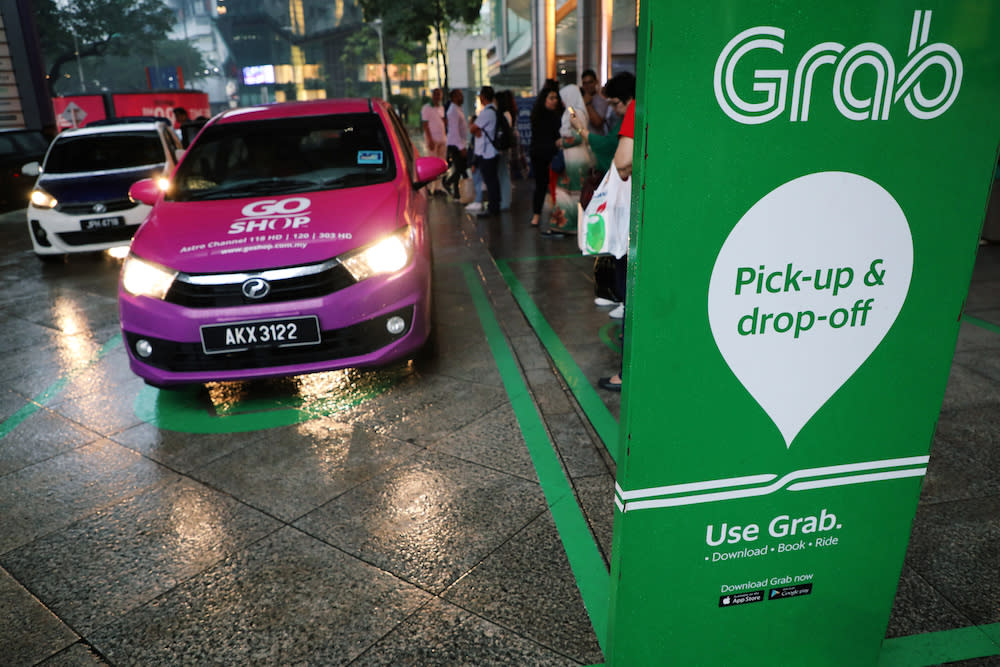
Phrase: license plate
(102,223)
(241,336)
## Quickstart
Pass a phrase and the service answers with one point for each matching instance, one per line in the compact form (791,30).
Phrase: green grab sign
(808,190)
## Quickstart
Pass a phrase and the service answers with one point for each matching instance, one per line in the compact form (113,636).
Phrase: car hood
(94,186)
(255,233)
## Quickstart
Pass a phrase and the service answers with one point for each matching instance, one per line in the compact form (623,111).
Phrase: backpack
(503,138)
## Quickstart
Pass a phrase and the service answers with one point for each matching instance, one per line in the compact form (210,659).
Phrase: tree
(87,28)
(414,22)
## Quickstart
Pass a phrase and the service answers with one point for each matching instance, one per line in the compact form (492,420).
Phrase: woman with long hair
(546,118)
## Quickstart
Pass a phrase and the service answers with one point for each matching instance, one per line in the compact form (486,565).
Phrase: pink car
(291,239)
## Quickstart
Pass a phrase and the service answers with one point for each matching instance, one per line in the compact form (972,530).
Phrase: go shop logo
(888,89)
(272,215)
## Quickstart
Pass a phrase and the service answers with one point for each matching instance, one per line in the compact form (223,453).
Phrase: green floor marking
(989,326)
(187,411)
(934,648)
(49,392)
(609,336)
(578,542)
(600,417)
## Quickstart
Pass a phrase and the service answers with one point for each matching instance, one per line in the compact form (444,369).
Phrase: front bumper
(353,324)
(53,232)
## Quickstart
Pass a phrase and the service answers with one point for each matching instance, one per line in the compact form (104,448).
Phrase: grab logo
(889,87)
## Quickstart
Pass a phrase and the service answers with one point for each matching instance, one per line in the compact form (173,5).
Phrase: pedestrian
(577,159)
(597,107)
(620,91)
(506,106)
(546,115)
(458,139)
(484,129)
(432,120)
(623,163)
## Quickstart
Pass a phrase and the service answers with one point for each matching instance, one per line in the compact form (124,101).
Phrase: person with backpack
(484,129)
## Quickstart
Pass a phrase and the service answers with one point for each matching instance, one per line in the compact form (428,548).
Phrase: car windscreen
(102,152)
(251,158)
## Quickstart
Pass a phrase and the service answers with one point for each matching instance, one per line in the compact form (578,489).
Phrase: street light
(377,23)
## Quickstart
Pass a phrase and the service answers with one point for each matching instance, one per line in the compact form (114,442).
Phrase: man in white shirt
(432,119)
(484,129)
(458,140)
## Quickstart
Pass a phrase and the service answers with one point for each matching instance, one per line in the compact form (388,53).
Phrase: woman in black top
(546,117)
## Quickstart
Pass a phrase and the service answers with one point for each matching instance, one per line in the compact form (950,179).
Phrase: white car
(80,201)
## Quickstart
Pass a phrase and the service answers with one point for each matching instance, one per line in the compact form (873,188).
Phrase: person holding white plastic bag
(623,163)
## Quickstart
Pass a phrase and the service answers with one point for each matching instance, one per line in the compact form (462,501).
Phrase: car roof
(297,109)
(106,129)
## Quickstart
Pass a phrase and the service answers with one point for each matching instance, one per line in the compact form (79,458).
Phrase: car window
(404,140)
(22,143)
(100,152)
(300,154)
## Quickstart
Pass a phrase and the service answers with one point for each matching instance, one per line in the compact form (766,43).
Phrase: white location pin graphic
(804,289)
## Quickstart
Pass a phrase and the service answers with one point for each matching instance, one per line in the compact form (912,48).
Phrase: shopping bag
(466,191)
(603,225)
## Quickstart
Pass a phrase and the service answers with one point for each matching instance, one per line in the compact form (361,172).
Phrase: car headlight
(143,278)
(42,199)
(386,256)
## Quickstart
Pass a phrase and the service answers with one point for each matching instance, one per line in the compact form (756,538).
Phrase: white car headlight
(386,256)
(42,199)
(143,278)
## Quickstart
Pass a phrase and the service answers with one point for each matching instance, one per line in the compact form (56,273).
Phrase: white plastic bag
(603,226)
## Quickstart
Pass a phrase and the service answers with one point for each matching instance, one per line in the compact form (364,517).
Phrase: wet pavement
(454,510)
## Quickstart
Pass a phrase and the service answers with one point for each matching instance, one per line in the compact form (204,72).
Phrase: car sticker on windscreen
(370,157)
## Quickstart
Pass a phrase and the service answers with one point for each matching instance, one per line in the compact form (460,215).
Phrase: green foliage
(114,38)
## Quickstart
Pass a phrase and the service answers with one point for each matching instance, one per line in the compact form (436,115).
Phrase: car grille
(107,235)
(88,207)
(317,281)
(353,341)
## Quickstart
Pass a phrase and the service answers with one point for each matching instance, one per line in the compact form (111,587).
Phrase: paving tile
(296,469)
(430,520)
(53,494)
(29,632)
(919,609)
(425,408)
(100,412)
(442,634)
(77,655)
(99,568)
(575,445)
(955,547)
(288,599)
(493,441)
(183,451)
(596,496)
(41,435)
(527,586)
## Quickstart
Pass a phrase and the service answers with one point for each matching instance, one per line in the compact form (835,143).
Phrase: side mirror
(145,191)
(428,168)
(31,169)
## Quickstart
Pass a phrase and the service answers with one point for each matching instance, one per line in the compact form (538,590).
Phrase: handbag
(603,226)
(590,184)
(466,191)
(558,163)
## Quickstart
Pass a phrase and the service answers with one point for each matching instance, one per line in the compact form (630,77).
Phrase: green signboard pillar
(810,181)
